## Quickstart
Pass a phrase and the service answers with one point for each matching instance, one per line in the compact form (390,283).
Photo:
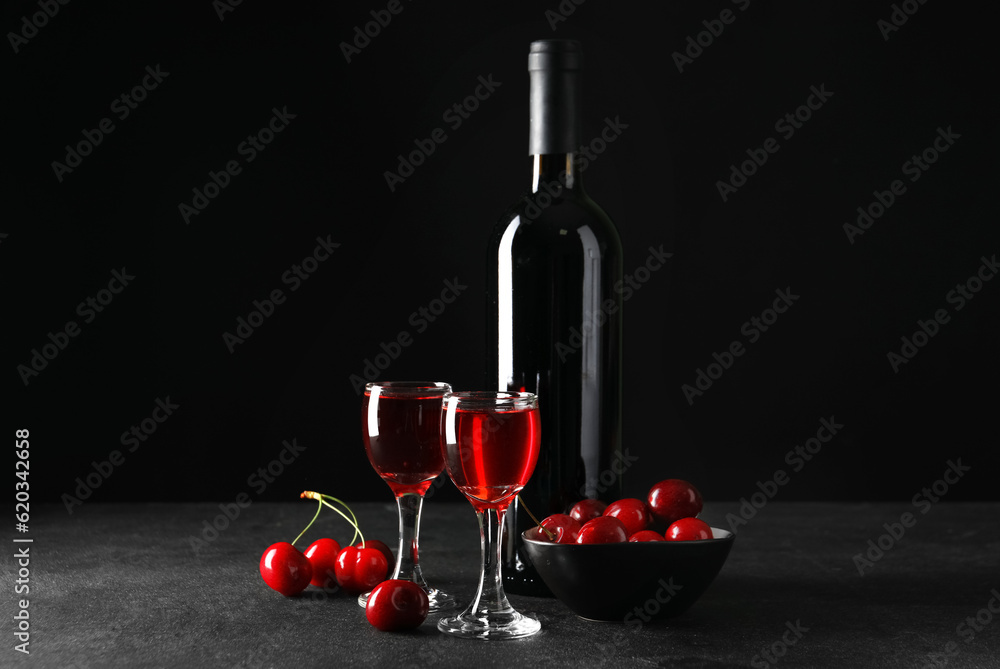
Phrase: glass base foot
(507,625)
(439,600)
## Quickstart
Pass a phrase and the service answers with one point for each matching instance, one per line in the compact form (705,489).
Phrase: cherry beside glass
(490,442)
(401,427)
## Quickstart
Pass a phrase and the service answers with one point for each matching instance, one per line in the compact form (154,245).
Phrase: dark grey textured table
(121,586)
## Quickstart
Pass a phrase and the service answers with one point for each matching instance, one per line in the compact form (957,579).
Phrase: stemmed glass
(490,442)
(401,427)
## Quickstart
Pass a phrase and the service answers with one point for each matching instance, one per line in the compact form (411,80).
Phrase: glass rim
(497,399)
(407,388)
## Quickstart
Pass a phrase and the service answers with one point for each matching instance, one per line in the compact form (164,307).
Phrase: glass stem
(408,559)
(490,598)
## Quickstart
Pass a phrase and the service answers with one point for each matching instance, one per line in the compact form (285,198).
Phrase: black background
(324,176)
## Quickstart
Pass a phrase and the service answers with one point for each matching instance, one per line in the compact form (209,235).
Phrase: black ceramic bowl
(622,582)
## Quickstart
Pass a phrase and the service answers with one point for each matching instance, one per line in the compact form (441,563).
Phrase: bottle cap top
(555,54)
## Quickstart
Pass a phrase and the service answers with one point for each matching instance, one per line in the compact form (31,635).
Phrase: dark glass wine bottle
(555,312)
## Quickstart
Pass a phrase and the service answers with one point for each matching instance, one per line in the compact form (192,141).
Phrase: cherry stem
(319,507)
(357,530)
(309,494)
(548,533)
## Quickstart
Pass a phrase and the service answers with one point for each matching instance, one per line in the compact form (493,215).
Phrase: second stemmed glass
(401,427)
(490,442)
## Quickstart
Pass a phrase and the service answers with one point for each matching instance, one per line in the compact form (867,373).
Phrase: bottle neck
(555,171)
(555,128)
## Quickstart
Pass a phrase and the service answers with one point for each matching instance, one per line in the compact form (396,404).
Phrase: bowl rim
(719,535)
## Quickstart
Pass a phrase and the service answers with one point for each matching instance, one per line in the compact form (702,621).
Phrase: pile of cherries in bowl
(673,503)
(672,556)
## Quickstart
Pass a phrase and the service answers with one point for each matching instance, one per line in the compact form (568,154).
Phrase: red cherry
(285,568)
(382,548)
(602,530)
(688,529)
(586,509)
(322,555)
(397,605)
(566,528)
(646,535)
(632,512)
(360,569)
(673,499)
